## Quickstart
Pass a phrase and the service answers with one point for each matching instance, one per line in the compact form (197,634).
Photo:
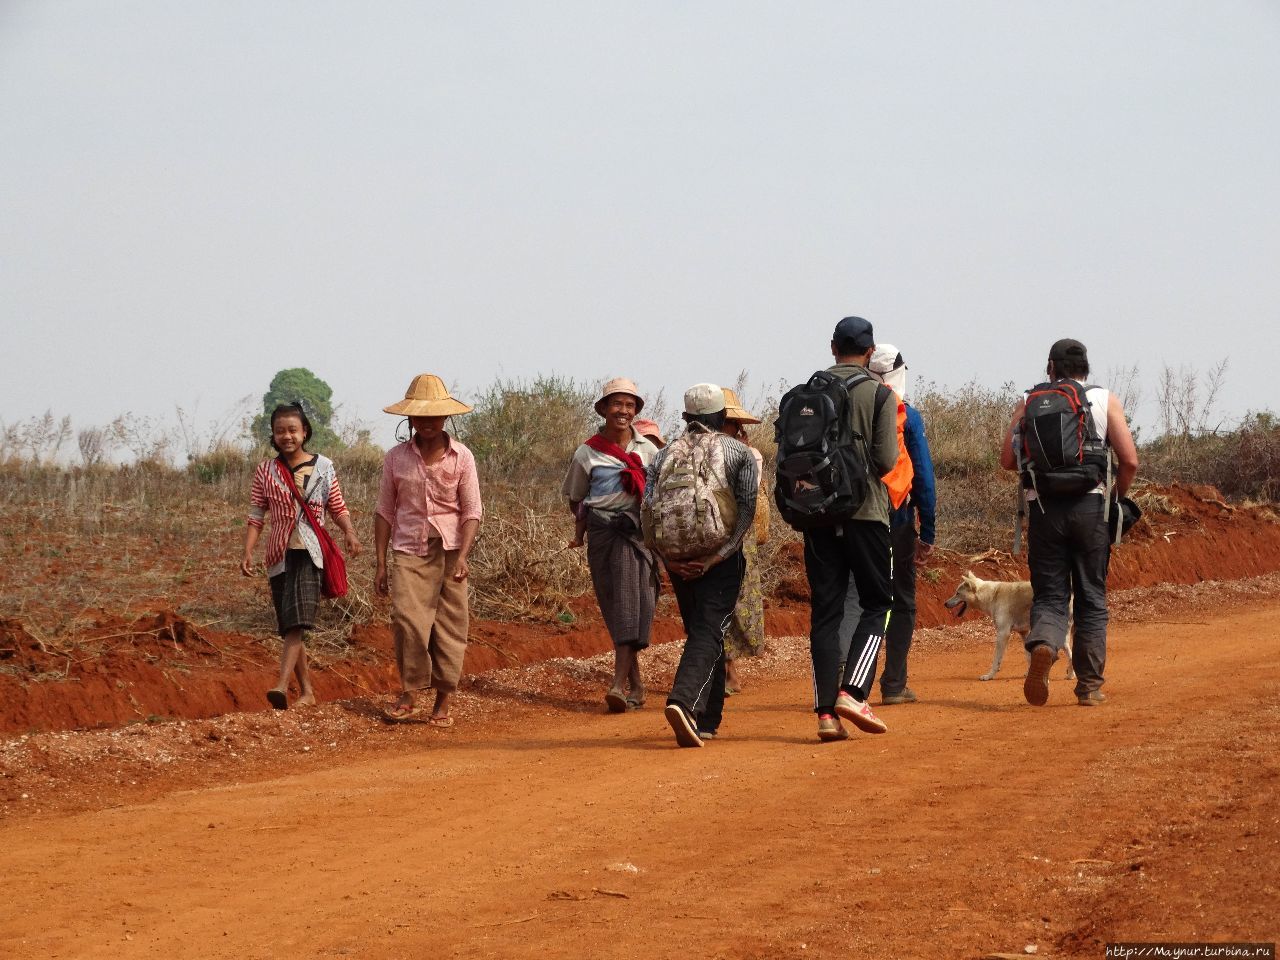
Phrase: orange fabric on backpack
(898,480)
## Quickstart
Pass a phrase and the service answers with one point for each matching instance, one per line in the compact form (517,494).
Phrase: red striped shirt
(271,496)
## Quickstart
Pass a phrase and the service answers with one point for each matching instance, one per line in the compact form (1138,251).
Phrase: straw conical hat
(733,409)
(427,397)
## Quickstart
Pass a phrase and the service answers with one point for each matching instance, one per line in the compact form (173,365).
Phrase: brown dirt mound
(154,663)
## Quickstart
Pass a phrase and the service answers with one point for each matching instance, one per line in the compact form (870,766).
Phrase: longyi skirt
(296,592)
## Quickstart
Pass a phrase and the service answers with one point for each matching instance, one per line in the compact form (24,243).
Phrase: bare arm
(381,541)
(251,534)
(1008,457)
(1121,441)
(469,530)
(354,546)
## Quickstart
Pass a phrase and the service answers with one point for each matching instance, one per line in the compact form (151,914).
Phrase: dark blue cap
(857,330)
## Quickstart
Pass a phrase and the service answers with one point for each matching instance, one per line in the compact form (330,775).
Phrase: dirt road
(977,825)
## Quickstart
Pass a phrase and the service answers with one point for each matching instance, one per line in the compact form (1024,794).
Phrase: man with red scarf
(606,481)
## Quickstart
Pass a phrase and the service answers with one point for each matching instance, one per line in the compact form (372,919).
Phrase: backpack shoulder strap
(883,392)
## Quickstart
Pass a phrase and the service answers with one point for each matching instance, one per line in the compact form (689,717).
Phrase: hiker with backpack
(699,505)
(1071,444)
(912,497)
(604,486)
(837,436)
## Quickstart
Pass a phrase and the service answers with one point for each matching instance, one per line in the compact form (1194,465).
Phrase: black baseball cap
(1069,350)
(857,330)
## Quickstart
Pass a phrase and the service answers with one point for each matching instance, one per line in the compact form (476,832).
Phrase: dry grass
(80,545)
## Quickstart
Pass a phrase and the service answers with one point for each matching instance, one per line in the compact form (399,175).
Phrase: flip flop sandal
(633,704)
(440,721)
(278,699)
(615,702)
(399,713)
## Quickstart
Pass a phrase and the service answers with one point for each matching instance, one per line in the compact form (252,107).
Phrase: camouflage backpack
(691,511)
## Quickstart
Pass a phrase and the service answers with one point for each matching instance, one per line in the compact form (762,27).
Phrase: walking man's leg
(902,622)
(869,554)
(827,570)
(1049,558)
(1090,560)
(706,606)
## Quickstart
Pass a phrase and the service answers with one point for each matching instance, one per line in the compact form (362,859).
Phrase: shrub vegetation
(102,535)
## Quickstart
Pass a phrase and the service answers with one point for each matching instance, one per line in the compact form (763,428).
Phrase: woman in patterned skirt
(745,637)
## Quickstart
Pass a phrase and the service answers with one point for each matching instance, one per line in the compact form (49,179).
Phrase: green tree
(300,385)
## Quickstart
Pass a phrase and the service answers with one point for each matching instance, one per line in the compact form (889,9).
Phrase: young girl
(293,552)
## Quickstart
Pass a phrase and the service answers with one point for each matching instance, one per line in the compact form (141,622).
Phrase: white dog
(1008,603)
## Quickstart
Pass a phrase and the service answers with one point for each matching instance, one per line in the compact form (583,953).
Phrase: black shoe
(1092,698)
(685,729)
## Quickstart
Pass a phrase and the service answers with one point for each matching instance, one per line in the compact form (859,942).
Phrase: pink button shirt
(421,502)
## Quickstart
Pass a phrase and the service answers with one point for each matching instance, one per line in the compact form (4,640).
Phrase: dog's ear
(969,577)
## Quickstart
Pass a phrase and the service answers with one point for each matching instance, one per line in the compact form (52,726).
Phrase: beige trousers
(429,618)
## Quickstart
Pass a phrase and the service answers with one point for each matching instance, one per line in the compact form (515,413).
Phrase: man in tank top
(1069,540)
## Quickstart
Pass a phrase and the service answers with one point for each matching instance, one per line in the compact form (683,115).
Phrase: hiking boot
(1092,698)
(686,730)
(1036,685)
(830,728)
(859,714)
(903,696)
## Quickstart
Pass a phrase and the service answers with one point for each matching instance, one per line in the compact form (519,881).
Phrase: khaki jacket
(882,438)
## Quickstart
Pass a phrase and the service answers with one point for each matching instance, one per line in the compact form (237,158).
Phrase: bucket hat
(427,397)
(647,428)
(619,385)
(733,410)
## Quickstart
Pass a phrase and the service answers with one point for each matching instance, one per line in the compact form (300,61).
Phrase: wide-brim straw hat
(427,397)
(733,410)
(619,385)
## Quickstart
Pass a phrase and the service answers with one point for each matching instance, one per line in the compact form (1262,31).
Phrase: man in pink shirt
(428,514)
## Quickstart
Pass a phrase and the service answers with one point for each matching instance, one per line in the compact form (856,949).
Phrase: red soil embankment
(122,671)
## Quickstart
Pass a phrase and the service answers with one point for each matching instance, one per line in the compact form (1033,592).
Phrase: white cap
(703,398)
(887,363)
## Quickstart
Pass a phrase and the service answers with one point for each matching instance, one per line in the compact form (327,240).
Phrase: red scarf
(632,465)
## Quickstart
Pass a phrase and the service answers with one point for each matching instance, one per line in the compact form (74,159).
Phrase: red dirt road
(977,825)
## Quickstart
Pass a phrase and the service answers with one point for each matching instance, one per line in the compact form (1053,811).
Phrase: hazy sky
(194,195)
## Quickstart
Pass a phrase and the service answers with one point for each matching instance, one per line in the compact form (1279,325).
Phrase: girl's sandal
(445,721)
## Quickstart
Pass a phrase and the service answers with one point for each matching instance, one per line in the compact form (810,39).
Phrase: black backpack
(823,464)
(1061,453)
